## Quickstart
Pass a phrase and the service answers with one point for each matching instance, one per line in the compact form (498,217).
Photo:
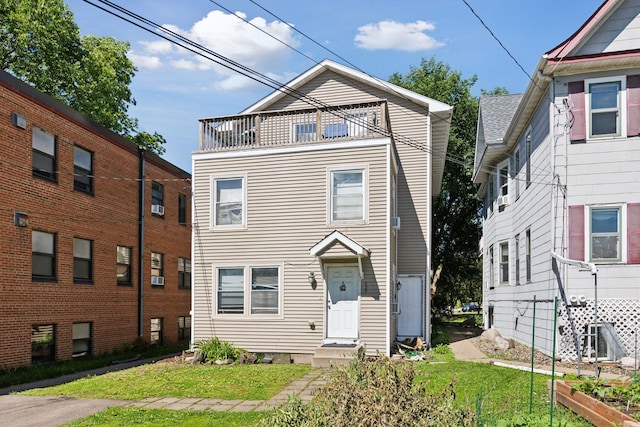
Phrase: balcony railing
(285,127)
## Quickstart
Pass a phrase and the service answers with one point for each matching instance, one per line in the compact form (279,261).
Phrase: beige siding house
(312,216)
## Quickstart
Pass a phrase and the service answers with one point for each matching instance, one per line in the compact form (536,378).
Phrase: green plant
(217,349)
(374,391)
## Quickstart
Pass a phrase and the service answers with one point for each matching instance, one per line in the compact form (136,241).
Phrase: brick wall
(108,218)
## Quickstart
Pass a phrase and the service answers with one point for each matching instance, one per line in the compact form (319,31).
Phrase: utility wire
(245,71)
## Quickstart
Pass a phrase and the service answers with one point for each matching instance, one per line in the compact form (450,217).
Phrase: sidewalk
(465,350)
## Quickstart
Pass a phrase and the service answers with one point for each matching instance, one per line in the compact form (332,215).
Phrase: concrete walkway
(463,349)
(304,388)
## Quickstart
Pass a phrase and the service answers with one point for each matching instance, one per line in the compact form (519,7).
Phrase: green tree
(457,226)
(40,43)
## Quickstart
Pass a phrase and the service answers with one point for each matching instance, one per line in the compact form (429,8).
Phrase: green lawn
(125,417)
(497,393)
(242,382)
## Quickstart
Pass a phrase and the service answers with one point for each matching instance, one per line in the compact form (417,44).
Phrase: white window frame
(250,294)
(492,267)
(502,181)
(246,289)
(504,263)
(621,108)
(517,166)
(622,240)
(214,202)
(365,193)
(516,250)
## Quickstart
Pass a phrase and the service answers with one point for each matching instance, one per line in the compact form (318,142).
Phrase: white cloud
(394,35)
(158,46)
(145,61)
(231,37)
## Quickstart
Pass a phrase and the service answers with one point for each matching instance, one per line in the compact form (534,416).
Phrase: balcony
(288,127)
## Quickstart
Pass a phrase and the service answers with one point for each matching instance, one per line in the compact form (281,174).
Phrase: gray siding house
(312,216)
(558,169)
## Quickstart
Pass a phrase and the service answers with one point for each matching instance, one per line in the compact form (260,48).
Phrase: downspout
(142,168)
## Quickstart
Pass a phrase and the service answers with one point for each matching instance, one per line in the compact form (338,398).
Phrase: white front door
(410,307)
(343,285)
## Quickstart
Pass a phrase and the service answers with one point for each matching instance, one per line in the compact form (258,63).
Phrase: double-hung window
(184,273)
(528,254)
(229,199)
(82,260)
(604,103)
(123,265)
(184,328)
(491,268)
(605,239)
(82,170)
(157,198)
(157,269)
(264,290)
(81,339)
(230,291)
(516,250)
(44,154)
(504,263)
(348,195)
(43,251)
(182,209)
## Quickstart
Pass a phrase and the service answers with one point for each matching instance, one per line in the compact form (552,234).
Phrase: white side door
(410,307)
(343,288)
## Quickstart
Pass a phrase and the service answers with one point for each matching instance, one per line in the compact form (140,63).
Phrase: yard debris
(411,349)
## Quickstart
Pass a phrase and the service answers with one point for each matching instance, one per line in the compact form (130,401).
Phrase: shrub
(215,349)
(374,392)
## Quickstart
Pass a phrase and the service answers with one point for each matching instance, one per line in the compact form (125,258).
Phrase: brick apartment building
(78,202)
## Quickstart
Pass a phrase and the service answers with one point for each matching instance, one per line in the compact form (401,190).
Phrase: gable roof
(594,47)
(336,237)
(440,112)
(494,116)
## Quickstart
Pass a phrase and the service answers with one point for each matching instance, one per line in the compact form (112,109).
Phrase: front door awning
(354,249)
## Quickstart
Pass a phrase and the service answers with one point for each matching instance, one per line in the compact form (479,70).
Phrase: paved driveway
(27,411)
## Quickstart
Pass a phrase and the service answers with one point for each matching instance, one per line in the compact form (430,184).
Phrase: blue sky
(173,88)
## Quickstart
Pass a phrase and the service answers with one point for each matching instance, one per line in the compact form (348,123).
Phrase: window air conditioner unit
(157,210)
(157,280)
(503,200)
(395,223)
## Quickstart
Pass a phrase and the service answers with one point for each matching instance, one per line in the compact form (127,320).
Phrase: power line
(200,50)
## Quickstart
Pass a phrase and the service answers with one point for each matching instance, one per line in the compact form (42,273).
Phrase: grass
(125,417)
(10,377)
(495,392)
(229,382)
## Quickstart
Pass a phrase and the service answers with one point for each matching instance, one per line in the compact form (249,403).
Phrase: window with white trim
(605,234)
(491,268)
(348,195)
(248,290)
(504,263)
(264,290)
(527,235)
(229,200)
(605,115)
(516,250)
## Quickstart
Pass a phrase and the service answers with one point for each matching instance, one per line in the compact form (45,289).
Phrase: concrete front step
(332,355)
